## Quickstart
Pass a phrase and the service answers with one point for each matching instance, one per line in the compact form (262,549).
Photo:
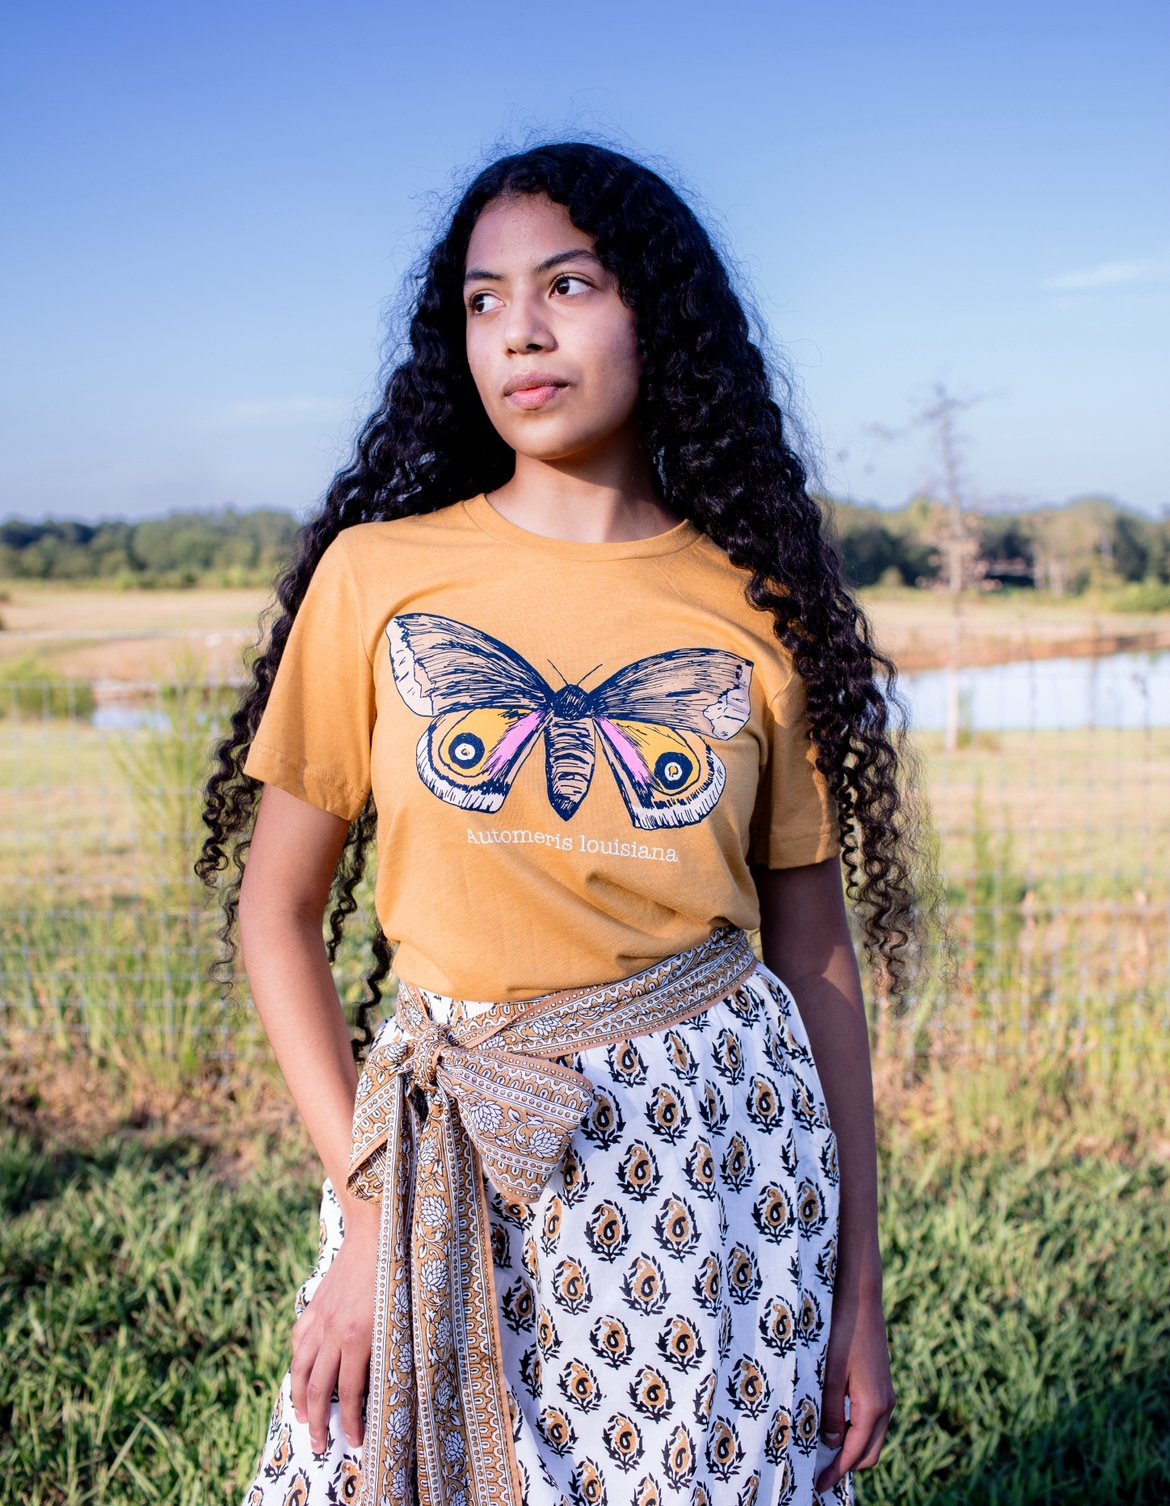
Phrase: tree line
(1091,543)
(182,549)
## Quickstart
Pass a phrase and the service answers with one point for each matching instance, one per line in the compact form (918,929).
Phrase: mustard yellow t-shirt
(575,750)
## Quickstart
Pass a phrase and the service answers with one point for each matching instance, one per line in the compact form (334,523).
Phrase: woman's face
(552,348)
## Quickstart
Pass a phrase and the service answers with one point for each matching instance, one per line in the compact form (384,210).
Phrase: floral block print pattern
(664,1306)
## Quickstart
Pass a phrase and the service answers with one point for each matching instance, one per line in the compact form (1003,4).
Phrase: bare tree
(956,537)
(954,533)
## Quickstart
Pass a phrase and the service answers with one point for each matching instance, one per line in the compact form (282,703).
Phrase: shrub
(28,688)
(1149,595)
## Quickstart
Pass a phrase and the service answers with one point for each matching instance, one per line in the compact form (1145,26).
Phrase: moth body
(569,758)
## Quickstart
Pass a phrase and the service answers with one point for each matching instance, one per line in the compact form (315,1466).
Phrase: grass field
(146,1295)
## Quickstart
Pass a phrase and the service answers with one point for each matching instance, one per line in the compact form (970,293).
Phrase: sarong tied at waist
(438,1106)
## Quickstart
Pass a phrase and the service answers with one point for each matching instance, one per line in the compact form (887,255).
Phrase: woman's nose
(526,328)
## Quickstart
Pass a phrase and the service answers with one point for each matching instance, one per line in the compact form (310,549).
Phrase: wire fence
(1052,813)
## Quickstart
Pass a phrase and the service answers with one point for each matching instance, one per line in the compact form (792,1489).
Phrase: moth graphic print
(488,708)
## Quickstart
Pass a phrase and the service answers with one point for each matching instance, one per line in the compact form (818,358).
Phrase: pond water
(1118,690)
(129,716)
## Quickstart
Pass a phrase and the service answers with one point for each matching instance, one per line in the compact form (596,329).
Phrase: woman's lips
(533,397)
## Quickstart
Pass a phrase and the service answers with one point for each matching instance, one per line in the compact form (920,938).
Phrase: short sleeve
(795,818)
(314,736)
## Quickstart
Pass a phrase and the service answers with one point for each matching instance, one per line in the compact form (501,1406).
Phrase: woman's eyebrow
(481,274)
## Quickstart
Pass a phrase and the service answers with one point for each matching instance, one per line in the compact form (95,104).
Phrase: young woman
(600,1222)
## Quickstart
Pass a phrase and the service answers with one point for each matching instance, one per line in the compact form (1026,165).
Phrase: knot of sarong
(519,1111)
(437,1420)
(425,1056)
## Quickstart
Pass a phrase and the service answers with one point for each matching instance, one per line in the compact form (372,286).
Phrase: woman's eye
(476,302)
(564,284)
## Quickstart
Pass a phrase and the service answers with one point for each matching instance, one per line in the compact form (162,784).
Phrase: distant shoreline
(113,638)
(977,654)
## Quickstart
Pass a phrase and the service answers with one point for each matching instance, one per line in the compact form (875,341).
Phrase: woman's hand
(857,1365)
(333,1338)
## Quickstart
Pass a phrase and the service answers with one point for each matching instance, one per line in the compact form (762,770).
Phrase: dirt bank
(102,635)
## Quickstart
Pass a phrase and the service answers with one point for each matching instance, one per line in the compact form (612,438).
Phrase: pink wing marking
(635,764)
(507,747)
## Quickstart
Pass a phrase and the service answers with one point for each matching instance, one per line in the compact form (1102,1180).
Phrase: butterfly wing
(486,703)
(703,690)
(657,718)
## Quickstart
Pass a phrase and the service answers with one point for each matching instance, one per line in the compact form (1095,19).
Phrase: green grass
(1151,595)
(145,1308)
(1029,1331)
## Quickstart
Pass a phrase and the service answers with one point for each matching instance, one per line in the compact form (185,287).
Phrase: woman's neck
(584,504)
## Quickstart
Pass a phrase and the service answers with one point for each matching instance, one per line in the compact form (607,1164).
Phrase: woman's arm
(290,867)
(804,932)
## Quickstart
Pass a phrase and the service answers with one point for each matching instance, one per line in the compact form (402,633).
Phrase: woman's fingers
(322,1370)
(305,1348)
(833,1420)
(351,1389)
(876,1442)
(865,1434)
(313,1374)
(319,1393)
(857,1377)
(333,1338)
(833,1412)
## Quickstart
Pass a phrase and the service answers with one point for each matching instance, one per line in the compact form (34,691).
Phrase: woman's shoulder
(706,554)
(706,577)
(369,554)
(707,568)
(443,526)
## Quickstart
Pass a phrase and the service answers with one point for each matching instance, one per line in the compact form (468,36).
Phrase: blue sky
(210,210)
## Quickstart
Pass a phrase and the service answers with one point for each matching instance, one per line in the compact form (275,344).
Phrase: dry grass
(92,633)
(237,1117)
(33,608)
(1090,802)
(97,633)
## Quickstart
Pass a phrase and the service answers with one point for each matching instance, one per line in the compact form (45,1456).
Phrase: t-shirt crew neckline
(484,515)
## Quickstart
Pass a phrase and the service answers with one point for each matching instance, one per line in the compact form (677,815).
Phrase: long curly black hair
(721,449)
